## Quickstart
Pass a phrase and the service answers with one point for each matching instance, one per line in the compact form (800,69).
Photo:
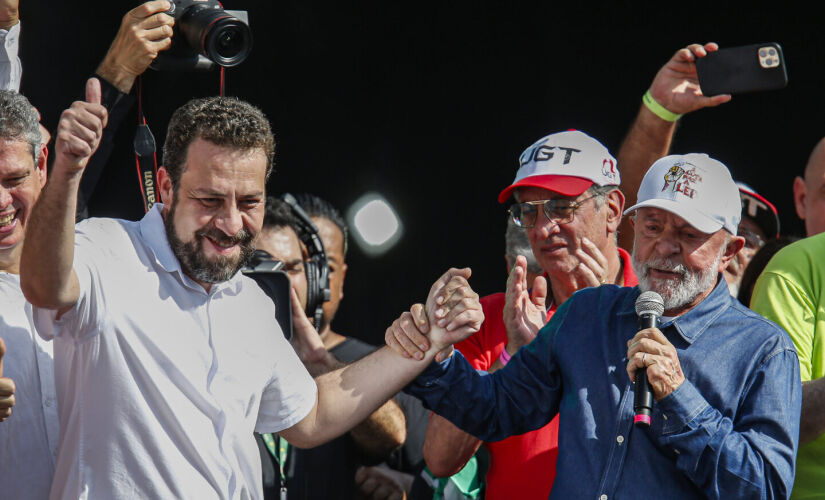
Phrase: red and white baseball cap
(763,213)
(567,163)
(695,187)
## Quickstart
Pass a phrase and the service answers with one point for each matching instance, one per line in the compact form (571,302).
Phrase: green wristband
(657,109)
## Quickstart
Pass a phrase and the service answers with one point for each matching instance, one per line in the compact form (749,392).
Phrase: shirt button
(620,439)
(48,403)
(664,416)
(603,497)
(675,451)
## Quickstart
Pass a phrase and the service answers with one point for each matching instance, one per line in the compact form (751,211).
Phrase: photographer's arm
(144,32)
(675,88)
(46,274)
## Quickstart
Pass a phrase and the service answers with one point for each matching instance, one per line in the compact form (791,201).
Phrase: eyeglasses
(560,211)
(752,240)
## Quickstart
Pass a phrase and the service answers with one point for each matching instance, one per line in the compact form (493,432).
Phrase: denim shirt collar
(694,322)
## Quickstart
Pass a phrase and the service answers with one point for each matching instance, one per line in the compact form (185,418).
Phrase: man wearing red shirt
(568,200)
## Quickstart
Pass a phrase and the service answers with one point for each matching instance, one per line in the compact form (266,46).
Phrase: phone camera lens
(763,53)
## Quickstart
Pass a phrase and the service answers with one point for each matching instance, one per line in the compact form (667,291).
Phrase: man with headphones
(326,471)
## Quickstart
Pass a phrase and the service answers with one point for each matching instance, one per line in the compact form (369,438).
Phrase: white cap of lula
(695,187)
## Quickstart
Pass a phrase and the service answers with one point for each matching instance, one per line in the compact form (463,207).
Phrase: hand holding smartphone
(737,70)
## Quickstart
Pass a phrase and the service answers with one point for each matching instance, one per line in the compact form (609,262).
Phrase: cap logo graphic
(679,180)
(609,168)
(546,153)
(752,205)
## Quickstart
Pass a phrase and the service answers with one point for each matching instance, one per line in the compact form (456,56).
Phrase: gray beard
(676,293)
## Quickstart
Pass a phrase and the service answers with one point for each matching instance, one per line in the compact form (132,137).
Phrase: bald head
(809,192)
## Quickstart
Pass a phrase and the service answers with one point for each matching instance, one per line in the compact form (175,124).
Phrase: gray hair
(18,121)
(516,243)
(599,193)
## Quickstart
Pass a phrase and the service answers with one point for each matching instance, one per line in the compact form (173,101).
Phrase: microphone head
(650,303)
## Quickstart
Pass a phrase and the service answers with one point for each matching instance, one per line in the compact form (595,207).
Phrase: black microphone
(649,307)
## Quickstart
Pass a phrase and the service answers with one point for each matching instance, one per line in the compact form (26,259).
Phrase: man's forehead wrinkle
(16,171)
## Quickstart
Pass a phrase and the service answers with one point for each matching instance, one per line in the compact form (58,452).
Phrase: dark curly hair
(223,121)
(315,206)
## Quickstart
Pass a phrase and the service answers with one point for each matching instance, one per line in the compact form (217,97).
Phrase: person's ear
(165,188)
(799,196)
(735,244)
(614,203)
(42,167)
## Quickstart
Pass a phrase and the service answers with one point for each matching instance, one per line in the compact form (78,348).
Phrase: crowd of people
(137,360)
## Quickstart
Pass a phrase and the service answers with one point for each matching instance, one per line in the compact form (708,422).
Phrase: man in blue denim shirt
(726,381)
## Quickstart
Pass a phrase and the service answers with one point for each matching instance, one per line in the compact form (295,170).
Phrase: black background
(430,104)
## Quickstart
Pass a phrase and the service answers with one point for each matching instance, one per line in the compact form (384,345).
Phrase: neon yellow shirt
(791,293)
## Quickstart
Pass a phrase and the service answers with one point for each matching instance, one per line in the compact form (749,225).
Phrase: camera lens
(772,52)
(763,52)
(229,43)
(218,35)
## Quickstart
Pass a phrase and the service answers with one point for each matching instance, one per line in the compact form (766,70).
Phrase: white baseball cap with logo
(695,187)
(567,163)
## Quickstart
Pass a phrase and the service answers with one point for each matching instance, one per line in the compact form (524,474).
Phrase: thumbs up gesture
(80,129)
(6,388)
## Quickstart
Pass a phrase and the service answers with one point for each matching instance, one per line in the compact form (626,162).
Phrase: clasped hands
(451,313)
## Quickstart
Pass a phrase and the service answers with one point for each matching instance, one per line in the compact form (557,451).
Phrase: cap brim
(696,219)
(562,184)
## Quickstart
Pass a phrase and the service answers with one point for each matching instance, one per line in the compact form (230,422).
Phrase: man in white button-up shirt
(167,359)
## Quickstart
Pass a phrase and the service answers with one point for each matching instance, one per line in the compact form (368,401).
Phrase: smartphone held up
(738,70)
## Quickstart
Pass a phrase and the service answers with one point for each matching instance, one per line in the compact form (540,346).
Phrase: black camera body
(267,272)
(204,36)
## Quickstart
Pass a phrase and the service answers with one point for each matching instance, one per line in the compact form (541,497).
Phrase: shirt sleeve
(84,319)
(11,69)
(749,456)
(521,397)
(290,394)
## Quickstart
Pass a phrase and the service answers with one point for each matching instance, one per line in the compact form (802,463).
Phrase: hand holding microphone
(653,363)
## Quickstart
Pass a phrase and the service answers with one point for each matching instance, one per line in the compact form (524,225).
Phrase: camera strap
(145,154)
(146,158)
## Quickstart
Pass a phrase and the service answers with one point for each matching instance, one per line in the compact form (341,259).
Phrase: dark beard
(194,263)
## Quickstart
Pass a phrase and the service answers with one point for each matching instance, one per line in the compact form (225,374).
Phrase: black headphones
(317,267)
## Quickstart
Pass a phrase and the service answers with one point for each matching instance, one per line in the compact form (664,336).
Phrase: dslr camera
(205,36)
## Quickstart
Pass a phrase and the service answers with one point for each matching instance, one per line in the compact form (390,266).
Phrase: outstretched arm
(675,88)
(446,447)
(384,430)
(348,395)
(46,274)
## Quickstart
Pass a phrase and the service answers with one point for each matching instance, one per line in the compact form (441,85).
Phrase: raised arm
(674,92)
(46,274)
(144,32)
(348,395)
